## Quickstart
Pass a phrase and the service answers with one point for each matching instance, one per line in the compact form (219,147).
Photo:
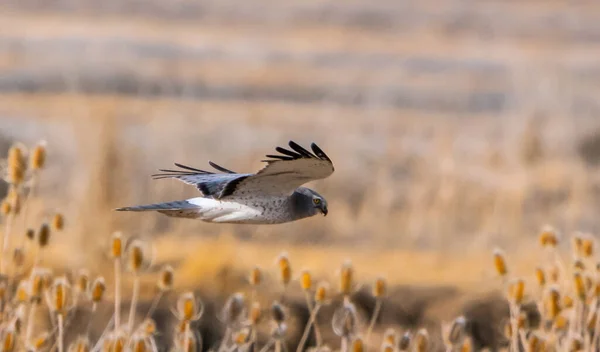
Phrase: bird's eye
(317,201)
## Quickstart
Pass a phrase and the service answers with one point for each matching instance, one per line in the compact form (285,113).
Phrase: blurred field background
(454,127)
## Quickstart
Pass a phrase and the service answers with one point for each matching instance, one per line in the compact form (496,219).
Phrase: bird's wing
(216,185)
(286,171)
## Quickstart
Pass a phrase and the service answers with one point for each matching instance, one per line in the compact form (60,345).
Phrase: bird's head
(313,200)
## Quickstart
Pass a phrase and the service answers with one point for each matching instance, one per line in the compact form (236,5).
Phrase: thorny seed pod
(540,276)
(500,263)
(16,166)
(516,291)
(36,285)
(579,285)
(83,281)
(234,309)
(390,336)
(255,313)
(534,343)
(140,343)
(5,207)
(136,256)
(380,288)
(548,237)
(30,234)
(587,247)
(59,298)
(305,280)
(346,278)
(97,289)
(421,341)
(9,337)
(358,345)
(321,293)
(165,283)
(404,342)
(189,308)
(81,344)
(117,245)
(456,333)
(577,241)
(553,303)
(285,269)
(37,159)
(241,336)
(22,294)
(43,235)
(58,222)
(345,320)
(277,313)
(255,277)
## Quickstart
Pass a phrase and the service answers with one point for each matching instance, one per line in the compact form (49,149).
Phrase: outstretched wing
(287,171)
(216,185)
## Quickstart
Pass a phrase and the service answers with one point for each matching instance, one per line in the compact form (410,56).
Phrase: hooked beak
(323,209)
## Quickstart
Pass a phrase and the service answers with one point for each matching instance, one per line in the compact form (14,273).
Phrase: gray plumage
(271,196)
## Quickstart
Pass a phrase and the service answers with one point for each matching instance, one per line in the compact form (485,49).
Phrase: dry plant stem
(314,322)
(32,189)
(278,345)
(376,312)
(223,344)
(5,241)
(30,321)
(311,321)
(187,336)
(514,320)
(596,328)
(134,299)
(89,325)
(344,347)
(117,293)
(60,332)
(154,304)
(267,346)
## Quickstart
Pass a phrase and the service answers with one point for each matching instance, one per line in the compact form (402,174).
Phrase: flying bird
(273,195)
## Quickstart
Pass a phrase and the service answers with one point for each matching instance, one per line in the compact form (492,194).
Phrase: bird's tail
(179,208)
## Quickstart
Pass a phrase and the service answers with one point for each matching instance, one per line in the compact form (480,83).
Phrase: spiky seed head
(567,301)
(58,222)
(18,257)
(81,344)
(578,265)
(346,278)
(40,342)
(553,306)
(43,235)
(554,274)
(456,333)
(117,245)
(358,345)
(587,247)
(389,336)
(306,280)
(148,327)
(14,198)
(387,347)
(234,309)
(16,166)
(380,288)
(136,256)
(534,343)
(577,241)
(255,277)
(22,294)
(404,342)
(345,319)
(516,291)
(421,341)
(548,237)
(59,295)
(140,343)
(83,281)
(321,293)
(37,160)
(5,207)
(241,337)
(579,285)
(189,308)
(119,343)
(561,323)
(285,269)
(9,340)
(540,276)
(255,313)
(36,286)
(97,290)
(165,282)
(277,313)
(500,262)
(30,234)
(467,345)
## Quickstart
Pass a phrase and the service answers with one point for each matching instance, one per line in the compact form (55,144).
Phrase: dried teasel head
(82,281)
(137,257)
(357,345)
(165,281)
(22,294)
(255,315)
(516,291)
(234,310)
(147,327)
(387,347)
(578,265)
(37,158)
(30,234)
(587,247)
(278,313)
(140,343)
(540,276)
(285,269)
(16,166)
(321,293)
(9,340)
(81,344)
(345,320)
(37,284)
(306,280)
(404,342)
(59,298)
(40,342)
(43,236)
(552,303)
(255,277)
(5,207)
(579,285)
(58,222)
(97,290)
(548,237)
(389,336)
(189,308)
(421,340)
(500,262)
(14,199)
(456,333)
(346,278)
(116,248)
(379,288)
